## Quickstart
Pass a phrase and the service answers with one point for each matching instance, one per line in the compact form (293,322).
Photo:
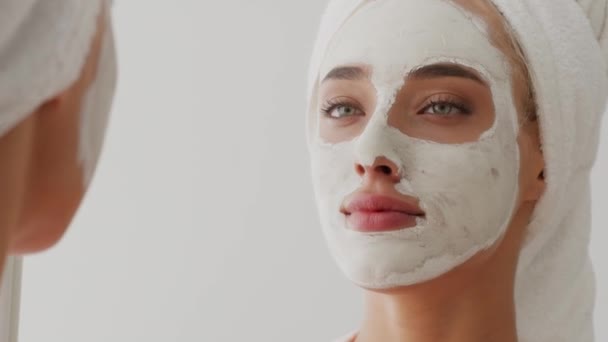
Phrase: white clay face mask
(467,191)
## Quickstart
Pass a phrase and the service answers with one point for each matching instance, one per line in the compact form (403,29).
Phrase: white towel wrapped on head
(43,46)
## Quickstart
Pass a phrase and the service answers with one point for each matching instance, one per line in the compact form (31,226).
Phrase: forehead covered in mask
(393,37)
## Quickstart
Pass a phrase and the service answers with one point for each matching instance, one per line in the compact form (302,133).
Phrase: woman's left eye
(445,108)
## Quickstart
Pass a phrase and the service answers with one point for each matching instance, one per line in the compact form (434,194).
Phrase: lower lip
(372,222)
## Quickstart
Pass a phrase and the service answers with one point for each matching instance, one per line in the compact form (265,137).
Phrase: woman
(451,144)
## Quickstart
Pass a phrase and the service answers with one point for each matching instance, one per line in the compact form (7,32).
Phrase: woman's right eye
(338,111)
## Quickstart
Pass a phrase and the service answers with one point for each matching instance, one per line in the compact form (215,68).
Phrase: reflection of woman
(425,126)
(57,77)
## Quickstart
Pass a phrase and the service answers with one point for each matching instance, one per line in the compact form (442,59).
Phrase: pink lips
(370,213)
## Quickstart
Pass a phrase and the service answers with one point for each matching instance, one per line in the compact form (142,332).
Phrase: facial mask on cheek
(468,191)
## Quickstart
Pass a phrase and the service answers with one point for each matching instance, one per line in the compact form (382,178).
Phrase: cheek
(55,185)
(45,219)
(335,131)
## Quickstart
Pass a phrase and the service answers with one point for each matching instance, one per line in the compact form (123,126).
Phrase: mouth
(369,213)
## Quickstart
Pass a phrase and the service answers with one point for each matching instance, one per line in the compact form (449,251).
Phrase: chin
(468,270)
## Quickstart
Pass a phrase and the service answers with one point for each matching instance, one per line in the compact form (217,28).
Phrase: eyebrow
(354,73)
(347,73)
(445,70)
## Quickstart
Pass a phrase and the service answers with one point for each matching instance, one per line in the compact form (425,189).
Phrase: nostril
(381,167)
(384,169)
(360,169)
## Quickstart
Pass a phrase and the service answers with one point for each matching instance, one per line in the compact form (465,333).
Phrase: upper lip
(369,202)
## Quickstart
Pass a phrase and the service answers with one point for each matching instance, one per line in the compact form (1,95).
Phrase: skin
(475,301)
(41,175)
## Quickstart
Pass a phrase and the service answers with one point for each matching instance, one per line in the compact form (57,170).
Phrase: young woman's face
(415,142)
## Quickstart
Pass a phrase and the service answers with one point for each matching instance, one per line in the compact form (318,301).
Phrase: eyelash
(462,107)
(333,104)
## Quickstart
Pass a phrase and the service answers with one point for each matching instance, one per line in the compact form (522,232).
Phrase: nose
(381,168)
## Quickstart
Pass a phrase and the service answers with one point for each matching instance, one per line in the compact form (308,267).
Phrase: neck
(472,303)
(454,313)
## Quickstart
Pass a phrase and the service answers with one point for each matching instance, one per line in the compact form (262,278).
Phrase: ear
(532,167)
(536,184)
(536,188)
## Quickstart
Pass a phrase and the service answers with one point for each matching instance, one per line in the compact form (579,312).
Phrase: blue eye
(445,108)
(342,111)
(338,110)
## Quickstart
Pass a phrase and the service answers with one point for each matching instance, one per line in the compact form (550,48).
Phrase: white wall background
(200,224)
